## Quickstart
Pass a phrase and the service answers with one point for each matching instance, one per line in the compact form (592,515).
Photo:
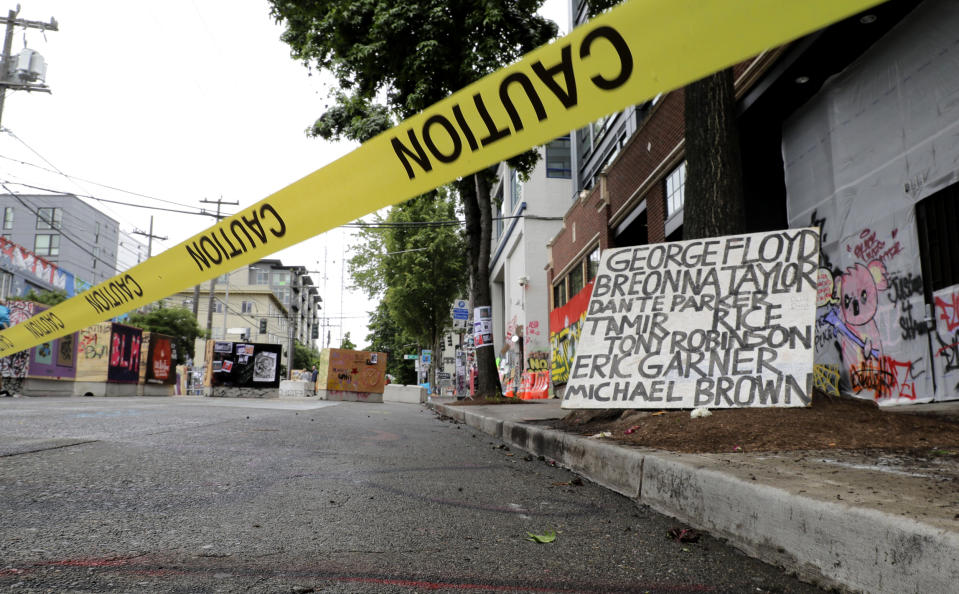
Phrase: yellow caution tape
(623,57)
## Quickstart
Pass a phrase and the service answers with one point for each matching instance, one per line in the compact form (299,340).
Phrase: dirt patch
(829,424)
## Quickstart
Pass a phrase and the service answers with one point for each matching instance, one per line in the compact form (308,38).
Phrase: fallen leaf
(683,534)
(656,414)
(544,538)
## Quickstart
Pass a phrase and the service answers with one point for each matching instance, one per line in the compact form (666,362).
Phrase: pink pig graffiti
(858,290)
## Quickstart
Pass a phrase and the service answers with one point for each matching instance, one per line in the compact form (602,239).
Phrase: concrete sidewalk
(860,522)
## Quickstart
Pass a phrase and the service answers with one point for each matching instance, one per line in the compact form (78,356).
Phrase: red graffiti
(888,379)
(870,247)
(119,347)
(950,311)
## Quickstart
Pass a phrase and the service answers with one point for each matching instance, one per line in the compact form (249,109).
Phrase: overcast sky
(182,100)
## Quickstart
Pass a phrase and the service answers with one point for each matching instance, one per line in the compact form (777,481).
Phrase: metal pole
(5,59)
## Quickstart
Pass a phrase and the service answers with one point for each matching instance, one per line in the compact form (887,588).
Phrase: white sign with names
(724,322)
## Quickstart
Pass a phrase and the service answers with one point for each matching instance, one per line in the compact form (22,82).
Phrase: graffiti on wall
(565,325)
(537,361)
(17,258)
(13,368)
(870,320)
(90,345)
(946,344)
(125,354)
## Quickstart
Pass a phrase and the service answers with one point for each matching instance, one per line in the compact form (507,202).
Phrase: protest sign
(723,322)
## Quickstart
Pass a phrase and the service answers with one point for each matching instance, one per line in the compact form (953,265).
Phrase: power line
(201,212)
(60,230)
(77,178)
(442,223)
(47,161)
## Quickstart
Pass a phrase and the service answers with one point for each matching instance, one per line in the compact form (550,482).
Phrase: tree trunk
(714,180)
(479,225)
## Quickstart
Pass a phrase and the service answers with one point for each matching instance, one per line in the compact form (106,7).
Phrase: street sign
(461,314)
(410,357)
(443,375)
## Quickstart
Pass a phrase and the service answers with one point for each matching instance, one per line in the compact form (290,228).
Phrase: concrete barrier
(404,394)
(295,389)
(344,396)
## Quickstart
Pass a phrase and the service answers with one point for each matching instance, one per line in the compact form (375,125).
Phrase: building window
(576,283)
(47,245)
(676,190)
(217,333)
(259,276)
(281,277)
(936,219)
(96,234)
(592,264)
(515,190)
(283,294)
(246,307)
(8,217)
(217,306)
(7,236)
(6,284)
(559,293)
(559,162)
(49,218)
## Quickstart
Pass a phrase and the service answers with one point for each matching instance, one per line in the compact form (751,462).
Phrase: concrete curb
(832,544)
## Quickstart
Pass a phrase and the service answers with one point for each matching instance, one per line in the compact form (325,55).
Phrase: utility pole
(209,313)
(16,83)
(150,237)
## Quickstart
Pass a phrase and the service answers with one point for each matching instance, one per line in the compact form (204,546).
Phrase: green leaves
(177,322)
(544,538)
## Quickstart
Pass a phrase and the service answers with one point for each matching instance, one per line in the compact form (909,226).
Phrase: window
(246,307)
(6,284)
(498,232)
(217,306)
(515,190)
(7,236)
(559,162)
(281,277)
(936,219)
(96,234)
(675,190)
(217,333)
(259,276)
(592,264)
(576,283)
(283,294)
(559,294)
(47,245)
(49,218)
(8,217)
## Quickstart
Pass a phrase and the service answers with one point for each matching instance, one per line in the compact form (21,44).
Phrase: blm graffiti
(723,322)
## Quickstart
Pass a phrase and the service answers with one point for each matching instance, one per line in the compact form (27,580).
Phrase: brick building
(842,129)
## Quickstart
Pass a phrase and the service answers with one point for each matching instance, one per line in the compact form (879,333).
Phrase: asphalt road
(211,495)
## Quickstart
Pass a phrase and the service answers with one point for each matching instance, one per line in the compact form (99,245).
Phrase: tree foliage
(414,262)
(304,357)
(50,298)
(347,342)
(177,322)
(386,336)
(394,58)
